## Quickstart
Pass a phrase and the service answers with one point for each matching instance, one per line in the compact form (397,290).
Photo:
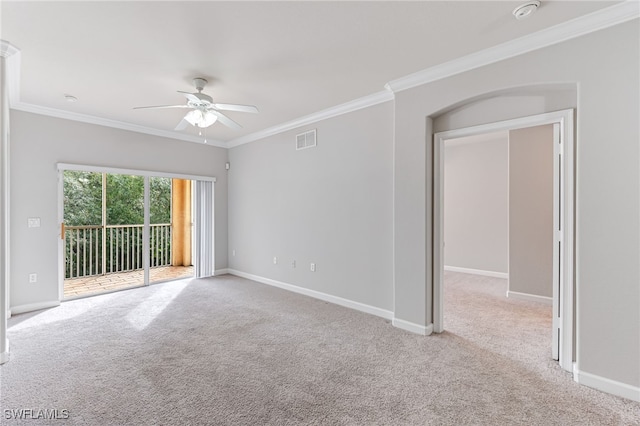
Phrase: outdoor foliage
(159,200)
(125,199)
(82,198)
(124,206)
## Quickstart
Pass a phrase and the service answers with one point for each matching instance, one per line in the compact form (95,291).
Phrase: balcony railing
(100,250)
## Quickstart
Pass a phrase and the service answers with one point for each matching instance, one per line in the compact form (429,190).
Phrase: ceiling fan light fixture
(208,118)
(200,118)
(204,112)
(194,117)
(526,9)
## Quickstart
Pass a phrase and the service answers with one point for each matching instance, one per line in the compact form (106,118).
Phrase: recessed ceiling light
(70,98)
(525,10)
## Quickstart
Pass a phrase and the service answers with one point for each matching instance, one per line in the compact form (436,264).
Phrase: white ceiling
(289,59)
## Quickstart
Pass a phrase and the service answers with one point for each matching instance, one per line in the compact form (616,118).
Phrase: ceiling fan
(203,111)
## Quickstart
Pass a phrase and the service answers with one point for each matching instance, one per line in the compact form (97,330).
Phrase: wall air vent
(306,140)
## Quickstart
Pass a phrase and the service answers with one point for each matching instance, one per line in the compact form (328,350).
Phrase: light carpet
(229,351)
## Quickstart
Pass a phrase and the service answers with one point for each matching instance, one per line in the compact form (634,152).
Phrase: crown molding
(360,103)
(12,57)
(601,19)
(577,27)
(7,49)
(90,119)
(11,54)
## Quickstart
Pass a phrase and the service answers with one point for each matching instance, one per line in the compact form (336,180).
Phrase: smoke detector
(525,10)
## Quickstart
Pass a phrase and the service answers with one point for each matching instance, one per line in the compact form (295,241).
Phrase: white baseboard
(494,274)
(316,294)
(21,309)
(220,272)
(413,327)
(530,297)
(607,385)
(4,356)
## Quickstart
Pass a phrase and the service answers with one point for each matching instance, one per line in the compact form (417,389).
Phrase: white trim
(530,297)
(223,271)
(9,75)
(607,385)
(90,119)
(577,27)
(493,274)
(146,219)
(4,356)
(60,236)
(413,327)
(21,309)
(598,20)
(116,170)
(512,124)
(568,328)
(478,139)
(316,294)
(12,57)
(354,105)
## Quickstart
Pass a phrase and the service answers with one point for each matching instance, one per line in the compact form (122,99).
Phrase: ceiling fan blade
(225,120)
(162,106)
(234,107)
(182,125)
(190,96)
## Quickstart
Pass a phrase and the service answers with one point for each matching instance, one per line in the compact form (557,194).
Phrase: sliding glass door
(123,230)
(170,230)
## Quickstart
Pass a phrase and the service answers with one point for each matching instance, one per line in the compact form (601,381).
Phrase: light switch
(33,222)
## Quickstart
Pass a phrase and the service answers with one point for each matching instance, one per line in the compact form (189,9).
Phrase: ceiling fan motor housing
(199,82)
(205,99)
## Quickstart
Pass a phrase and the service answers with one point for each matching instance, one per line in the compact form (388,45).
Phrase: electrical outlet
(313,267)
(275,260)
(293,264)
(33,278)
(233,253)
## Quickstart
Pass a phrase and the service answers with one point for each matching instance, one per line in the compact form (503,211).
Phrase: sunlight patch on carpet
(63,312)
(147,311)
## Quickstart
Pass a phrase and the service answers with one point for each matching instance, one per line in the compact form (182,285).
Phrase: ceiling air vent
(306,140)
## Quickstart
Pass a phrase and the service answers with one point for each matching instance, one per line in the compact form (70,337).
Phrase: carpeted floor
(228,351)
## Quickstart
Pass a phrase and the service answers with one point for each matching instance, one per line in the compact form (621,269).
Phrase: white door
(563,234)
(558,197)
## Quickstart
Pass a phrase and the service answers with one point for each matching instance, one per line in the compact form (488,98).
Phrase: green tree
(82,198)
(125,199)
(159,200)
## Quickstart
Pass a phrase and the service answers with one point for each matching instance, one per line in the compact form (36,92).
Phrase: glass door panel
(169,229)
(124,218)
(83,243)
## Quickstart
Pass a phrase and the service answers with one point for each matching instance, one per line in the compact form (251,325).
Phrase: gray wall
(360,204)
(531,210)
(330,205)
(39,142)
(475,204)
(608,184)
